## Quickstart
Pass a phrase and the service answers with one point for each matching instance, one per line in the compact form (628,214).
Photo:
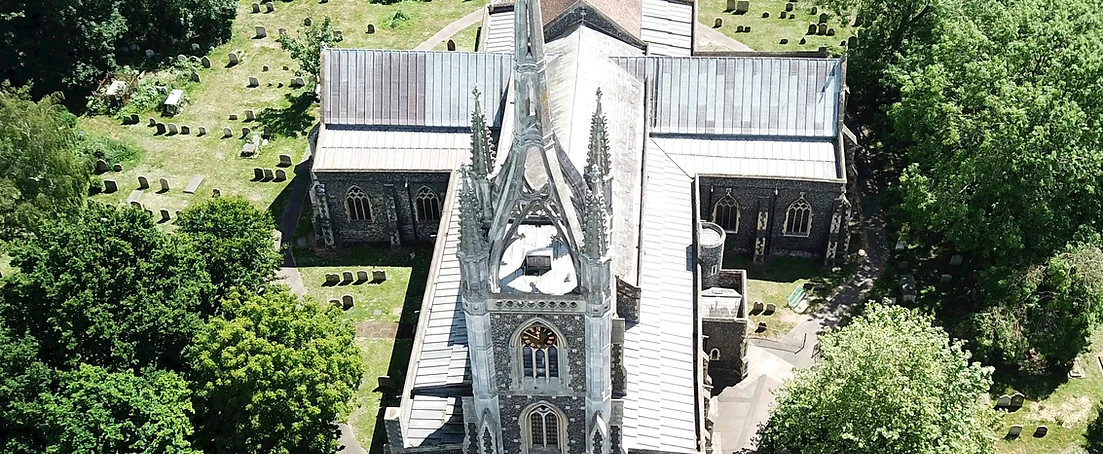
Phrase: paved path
(744,407)
(451,29)
(710,39)
(347,443)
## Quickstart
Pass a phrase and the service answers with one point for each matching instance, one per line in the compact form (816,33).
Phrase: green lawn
(774,281)
(766,33)
(386,297)
(465,39)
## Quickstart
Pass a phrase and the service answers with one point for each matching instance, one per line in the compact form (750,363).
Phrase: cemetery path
(347,443)
(451,29)
(719,39)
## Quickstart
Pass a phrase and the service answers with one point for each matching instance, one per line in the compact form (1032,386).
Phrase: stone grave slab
(193,184)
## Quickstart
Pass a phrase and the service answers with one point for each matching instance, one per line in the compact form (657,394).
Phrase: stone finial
(472,241)
(597,159)
(482,150)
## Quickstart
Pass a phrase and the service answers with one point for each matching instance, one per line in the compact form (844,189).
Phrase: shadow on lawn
(1093,437)
(290,121)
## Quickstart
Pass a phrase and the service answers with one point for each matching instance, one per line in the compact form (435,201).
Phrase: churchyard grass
(775,280)
(386,297)
(465,39)
(767,33)
(381,357)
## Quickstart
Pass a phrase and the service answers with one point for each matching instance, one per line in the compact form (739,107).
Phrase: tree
(107,288)
(97,411)
(236,240)
(271,375)
(41,178)
(888,383)
(308,49)
(22,379)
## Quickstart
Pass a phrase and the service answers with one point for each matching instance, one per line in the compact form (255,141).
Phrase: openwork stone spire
(597,159)
(471,234)
(595,225)
(482,150)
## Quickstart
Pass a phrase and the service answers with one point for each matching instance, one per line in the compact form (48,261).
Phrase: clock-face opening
(539,352)
(538,336)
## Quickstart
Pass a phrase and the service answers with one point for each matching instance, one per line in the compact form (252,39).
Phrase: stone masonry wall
(573,332)
(730,337)
(392,195)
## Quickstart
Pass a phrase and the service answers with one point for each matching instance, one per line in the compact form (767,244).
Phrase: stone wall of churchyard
(775,195)
(572,331)
(730,337)
(513,407)
(392,197)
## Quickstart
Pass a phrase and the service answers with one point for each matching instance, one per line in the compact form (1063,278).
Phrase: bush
(104,147)
(397,20)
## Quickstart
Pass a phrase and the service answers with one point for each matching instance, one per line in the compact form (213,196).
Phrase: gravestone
(194,47)
(1015,431)
(258,173)
(227,133)
(812,31)
(261,32)
(451,45)
(143,182)
(297,82)
(770,309)
(173,129)
(165,215)
(803,41)
(216,192)
(742,6)
(149,212)
(195,77)
(117,167)
(332,279)
(851,41)
(378,276)
(792,16)
(730,6)
(757,308)
(1017,401)
(823,18)
(1003,401)
(233,117)
(253,82)
(739,29)
(205,61)
(821,29)
(264,68)
(270,7)
(282,31)
(256,7)
(161,128)
(945,278)
(285,160)
(110,186)
(831,32)
(164,185)
(955,259)
(766,15)
(761,327)
(782,16)
(784,41)
(245,131)
(202,131)
(101,166)
(371,28)
(234,58)
(335,303)
(339,35)
(150,53)
(269,175)
(135,204)
(814,10)
(193,184)
(185,130)
(384,382)
(346,302)
(134,119)
(361,276)
(719,23)
(280,175)
(907,288)
(250,115)
(1041,431)
(306,22)
(747,29)
(152,122)
(346,277)
(789,7)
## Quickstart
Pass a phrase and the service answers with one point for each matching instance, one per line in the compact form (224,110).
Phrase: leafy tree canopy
(888,383)
(271,375)
(307,50)
(235,239)
(22,379)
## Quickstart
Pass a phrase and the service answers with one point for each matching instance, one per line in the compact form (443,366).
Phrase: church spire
(482,150)
(472,241)
(595,232)
(597,157)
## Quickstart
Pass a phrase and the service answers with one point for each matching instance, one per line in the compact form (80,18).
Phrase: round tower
(710,253)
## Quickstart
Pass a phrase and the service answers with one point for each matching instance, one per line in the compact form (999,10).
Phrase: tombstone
(227,133)
(783,41)
(285,160)
(234,58)
(135,204)
(770,309)
(782,16)
(297,82)
(152,122)
(851,41)
(332,279)
(371,28)
(282,31)
(285,67)
(250,115)
(195,77)
(266,133)
(269,7)
(264,68)
(1041,431)
(955,260)
(161,128)
(165,215)
(269,175)
(172,103)
(730,6)
(216,192)
(1014,431)
(823,18)
(814,10)
(164,185)
(335,303)
(747,29)
(719,23)
(194,47)
(143,183)
(110,186)
(378,276)
(1017,401)
(742,6)
(245,131)
(761,327)
(202,131)
(1003,401)
(789,7)
(117,167)
(757,308)
(134,119)
(831,32)
(739,29)
(346,277)
(253,82)
(821,29)
(173,129)
(261,32)
(842,43)
(205,61)
(766,15)
(907,288)
(384,382)
(945,278)
(346,301)
(811,29)
(280,175)
(361,276)
(101,166)
(256,7)
(792,16)
(185,130)
(306,22)
(150,53)
(339,35)
(258,173)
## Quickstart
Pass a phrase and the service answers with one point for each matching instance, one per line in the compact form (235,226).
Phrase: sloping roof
(438,363)
(498,30)
(660,406)
(624,13)
(667,27)
(411,88)
(361,148)
(774,157)
(752,96)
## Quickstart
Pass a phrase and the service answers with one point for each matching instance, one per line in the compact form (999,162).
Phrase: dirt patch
(1070,413)
(377,330)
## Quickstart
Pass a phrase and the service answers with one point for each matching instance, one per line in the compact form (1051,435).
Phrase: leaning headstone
(285,160)
(258,173)
(117,167)
(821,29)
(371,28)
(742,6)
(256,7)
(193,184)
(1041,431)
(1017,401)
(346,277)
(346,302)
(253,81)
(261,32)
(216,192)
(332,279)
(269,175)
(306,22)
(143,182)
(227,133)
(185,130)
(378,276)
(161,128)
(195,77)
(205,61)
(110,186)
(164,185)
(1015,431)
(1003,401)
(101,166)
(812,31)
(234,58)
(250,115)
(361,276)
(280,175)
(719,23)
(202,131)
(451,45)
(165,215)
(270,7)
(173,129)
(823,18)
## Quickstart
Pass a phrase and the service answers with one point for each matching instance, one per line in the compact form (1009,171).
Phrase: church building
(582,177)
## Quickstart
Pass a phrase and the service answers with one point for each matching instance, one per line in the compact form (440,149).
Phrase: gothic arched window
(427,205)
(539,352)
(798,218)
(725,213)
(543,430)
(357,205)
(714,355)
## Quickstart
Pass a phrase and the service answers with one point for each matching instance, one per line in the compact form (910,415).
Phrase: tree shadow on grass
(290,121)
(1035,386)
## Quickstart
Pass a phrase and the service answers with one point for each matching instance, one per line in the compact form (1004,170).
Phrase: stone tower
(536,284)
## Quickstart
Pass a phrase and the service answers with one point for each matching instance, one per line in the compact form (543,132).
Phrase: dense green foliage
(22,379)
(291,365)
(41,176)
(888,383)
(236,241)
(307,49)
(69,45)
